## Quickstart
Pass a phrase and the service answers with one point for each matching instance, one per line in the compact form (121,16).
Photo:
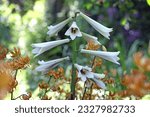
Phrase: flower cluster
(143,63)
(85,73)
(56,74)
(9,68)
(136,84)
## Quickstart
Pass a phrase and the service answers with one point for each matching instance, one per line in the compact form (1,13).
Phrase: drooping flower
(86,73)
(73,31)
(53,30)
(90,38)
(39,48)
(110,56)
(46,66)
(97,26)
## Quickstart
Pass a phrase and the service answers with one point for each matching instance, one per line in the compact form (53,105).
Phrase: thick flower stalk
(39,48)
(90,38)
(46,66)
(53,30)
(73,31)
(86,73)
(110,56)
(97,26)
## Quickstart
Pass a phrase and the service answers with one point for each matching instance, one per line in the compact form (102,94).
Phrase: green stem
(73,80)
(85,88)
(91,90)
(93,62)
(11,96)
(12,93)
(18,97)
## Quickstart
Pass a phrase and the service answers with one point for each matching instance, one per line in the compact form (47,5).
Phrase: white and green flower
(90,38)
(46,66)
(110,56)
(86,73)
(73,31)
(39,48)
(97,26)
(53,30)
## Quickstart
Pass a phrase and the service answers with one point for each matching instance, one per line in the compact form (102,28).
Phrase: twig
(85,88)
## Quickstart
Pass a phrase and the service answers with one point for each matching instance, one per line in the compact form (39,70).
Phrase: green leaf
(148,2)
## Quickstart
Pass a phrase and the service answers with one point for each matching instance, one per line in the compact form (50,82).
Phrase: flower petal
(88,83)
(89,38)
(79,67)
(53,30)
(73,36)
(79,34)
(45,66)
(110,56)
(98,76)
(89,74)
(100,83)
(39,48)
(87,68)
(99,27)
(83,78)
(73,31)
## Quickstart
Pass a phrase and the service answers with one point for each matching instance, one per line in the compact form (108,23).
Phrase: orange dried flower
(12,85)
(136,84)
(142,62)
(7,68)
(57,74)
(97,62)
(16,53)
(43,85)
(95,86)
(19,63)
(108,80)
(55,88)
(26,96)
(45,97)
(91,46)
(3,52)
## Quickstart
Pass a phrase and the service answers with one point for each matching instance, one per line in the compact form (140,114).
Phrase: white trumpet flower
(39,48)
(86,73)
(53,30)
(97,26)
(89,38)
(73,31)
(110,56)
(46,66)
